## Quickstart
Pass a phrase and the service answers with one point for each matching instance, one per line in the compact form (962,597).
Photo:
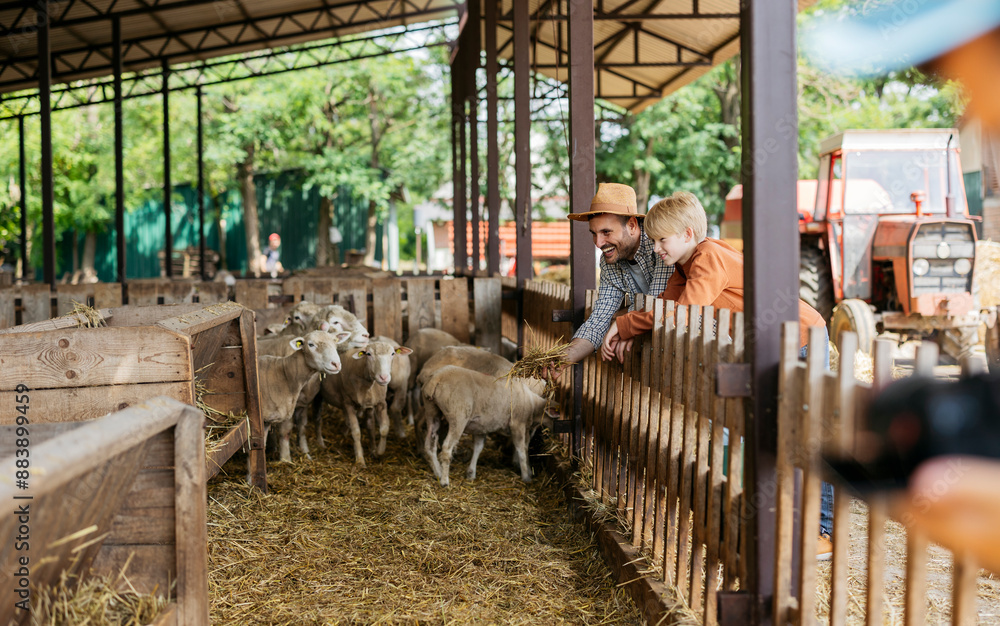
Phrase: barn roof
(643,49)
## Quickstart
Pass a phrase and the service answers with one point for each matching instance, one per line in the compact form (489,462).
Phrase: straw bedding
(331,544)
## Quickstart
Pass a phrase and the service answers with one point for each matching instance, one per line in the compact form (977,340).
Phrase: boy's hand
(611,340)
(623,346)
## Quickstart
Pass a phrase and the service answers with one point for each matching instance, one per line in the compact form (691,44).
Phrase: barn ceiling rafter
(262,63)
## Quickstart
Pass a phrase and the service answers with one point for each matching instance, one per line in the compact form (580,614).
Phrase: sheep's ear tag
(296,343)
(552,412)
(288,320)
(359,354)
(403,350)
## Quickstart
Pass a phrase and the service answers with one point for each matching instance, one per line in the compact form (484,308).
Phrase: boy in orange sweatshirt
(707,272)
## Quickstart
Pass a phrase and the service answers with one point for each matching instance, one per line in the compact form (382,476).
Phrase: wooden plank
(252,293)
(67,294)
(844,404)
(160,452)
(787,415)
(142,525)
(177,291)
(964,591)
(7,312)
(661,450)
(352,294)
(89,357)
(689,400)
(258,467)
(233,440)
(143,292)
(36,303)
(167,617)
(318,291)
(206,344)
(226,373)
(149,315)
(810,437)
(650,457)
(190,506)
(78,320)
(149,569)
(679,342)
(704,405)
(877,508)
(419,305)
(641,444)
(210,292)
(151,488)
(199,320)
(734,473)
(387,309)
(107,295)
(720,351)
(87,403)
(486,298)
(455,308)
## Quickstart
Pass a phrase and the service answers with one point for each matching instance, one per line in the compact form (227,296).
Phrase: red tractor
(886,235)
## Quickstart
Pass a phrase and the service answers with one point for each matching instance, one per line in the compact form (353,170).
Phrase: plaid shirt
(618,283)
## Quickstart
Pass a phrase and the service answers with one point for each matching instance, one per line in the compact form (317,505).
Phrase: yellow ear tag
(298,344)
(360,354)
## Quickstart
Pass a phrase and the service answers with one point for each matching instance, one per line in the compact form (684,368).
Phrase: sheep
(424,343)
(480,404)
(396,394)
(298,317)
(283,377)
(362,386)
(469,357)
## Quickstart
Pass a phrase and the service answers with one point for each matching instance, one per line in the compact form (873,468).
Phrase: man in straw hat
(628,263)
(951,499)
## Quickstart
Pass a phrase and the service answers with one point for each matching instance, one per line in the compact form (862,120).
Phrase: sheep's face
(359,335)
(320,349)
(378,357)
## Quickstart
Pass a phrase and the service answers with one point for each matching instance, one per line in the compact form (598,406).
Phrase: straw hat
(613,198)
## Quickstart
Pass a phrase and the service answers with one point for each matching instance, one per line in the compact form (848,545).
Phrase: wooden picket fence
(659,461)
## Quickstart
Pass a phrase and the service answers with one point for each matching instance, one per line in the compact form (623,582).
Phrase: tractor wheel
(815,280)
(958,343)
(856,316)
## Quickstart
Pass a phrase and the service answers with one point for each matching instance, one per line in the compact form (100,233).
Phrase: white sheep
(396,393)
(298,317)
(424,343)
(480,404)
(361,386)
(283,377)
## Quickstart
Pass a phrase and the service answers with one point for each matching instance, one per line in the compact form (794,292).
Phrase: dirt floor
(387,544)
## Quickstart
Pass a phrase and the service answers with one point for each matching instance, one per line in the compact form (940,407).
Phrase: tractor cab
(891,215)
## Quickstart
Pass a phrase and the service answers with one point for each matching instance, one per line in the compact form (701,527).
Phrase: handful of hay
(987,274)
(537,361)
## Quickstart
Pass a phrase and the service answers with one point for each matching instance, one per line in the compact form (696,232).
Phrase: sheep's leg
(396,412)
(447,447)
(352,424)
(301,419)
(381,413)
(409,408)
(478,441)
(432,418)
(521,452)
(317,405)
(285,431)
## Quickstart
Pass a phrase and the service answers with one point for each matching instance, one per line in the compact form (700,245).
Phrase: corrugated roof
(549,240)
(643,49)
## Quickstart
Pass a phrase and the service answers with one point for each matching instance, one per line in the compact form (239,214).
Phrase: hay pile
(331,544)
(96,601)
(86,316)
(987,275)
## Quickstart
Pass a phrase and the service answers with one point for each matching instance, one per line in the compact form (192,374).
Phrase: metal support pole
(770,170)
(116,62)
(201,184)
(455,182)
(461,213)
(45,114)
(22,181)
(492,147)
(522,152)
(472,60)
(581,178)
(167,189)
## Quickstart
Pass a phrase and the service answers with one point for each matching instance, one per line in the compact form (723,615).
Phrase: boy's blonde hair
(672,215)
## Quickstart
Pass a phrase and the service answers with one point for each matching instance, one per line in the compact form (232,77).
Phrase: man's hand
(610,345)
(577,351)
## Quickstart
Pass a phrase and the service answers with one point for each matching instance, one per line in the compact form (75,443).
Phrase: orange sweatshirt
(712,276)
